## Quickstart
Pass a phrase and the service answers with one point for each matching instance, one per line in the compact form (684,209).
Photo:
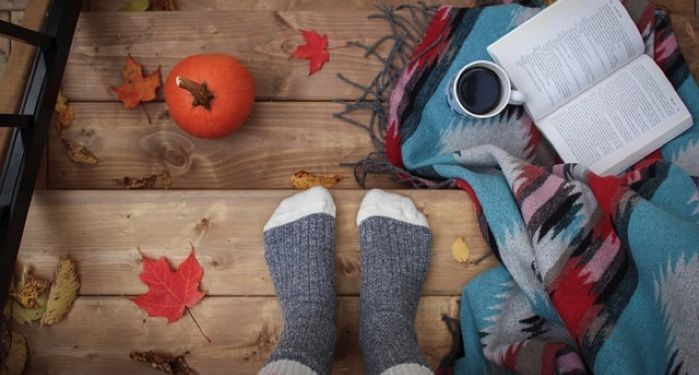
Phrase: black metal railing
(30,126)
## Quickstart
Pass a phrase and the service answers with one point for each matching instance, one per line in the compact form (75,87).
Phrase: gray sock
(299,249)
(395,255)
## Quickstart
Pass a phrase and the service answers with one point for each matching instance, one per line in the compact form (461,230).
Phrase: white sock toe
(312,201)
(380,203)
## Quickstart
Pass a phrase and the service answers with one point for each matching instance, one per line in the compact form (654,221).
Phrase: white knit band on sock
(312,201)
(286,367)
(408,369)
(380,203)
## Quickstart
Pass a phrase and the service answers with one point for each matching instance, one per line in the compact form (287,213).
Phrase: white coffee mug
(507,94)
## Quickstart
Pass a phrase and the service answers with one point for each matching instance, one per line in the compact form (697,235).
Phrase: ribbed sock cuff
(286,367)
(408,369)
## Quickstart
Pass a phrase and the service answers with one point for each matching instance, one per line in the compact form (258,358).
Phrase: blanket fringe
(408,23)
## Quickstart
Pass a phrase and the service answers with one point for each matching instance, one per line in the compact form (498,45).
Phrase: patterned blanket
(598,274)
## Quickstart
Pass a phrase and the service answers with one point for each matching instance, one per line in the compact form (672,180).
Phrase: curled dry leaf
(29,289)
(137,88)
(304,180)
(63,292)
(163,362)
(138,183)
(148,182)
(460,250)
(13,352)
(65,113)
(27,302)
(77,153)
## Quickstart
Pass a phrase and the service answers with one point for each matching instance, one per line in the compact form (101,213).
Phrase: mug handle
(517,98)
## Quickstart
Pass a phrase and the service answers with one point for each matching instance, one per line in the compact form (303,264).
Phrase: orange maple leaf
(137,88)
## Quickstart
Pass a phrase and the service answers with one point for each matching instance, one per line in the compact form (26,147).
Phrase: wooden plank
(279,139)
(4,45)
(13,4)
(98,334)
(103,39)
(103,229)
(686,28)
(16,72)
(676,6)
(245,5)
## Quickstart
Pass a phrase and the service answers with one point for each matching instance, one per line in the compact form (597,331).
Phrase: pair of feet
(395,254)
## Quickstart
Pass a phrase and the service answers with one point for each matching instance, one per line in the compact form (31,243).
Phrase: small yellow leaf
(304,180)
(136,6)
(65,113)
(77,153)
(24,315)
(460,250)
(63,292)
(14,355)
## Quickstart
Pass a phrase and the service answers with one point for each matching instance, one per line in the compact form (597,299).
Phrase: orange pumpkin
(209,95)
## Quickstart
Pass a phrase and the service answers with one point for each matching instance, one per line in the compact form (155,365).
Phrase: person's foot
(395,255)
(299,249)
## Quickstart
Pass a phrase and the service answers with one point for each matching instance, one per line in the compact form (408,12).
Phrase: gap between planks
(102,231)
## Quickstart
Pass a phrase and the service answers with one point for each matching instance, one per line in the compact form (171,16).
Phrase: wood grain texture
(244,5)
(102,230)
(4,45)
(104,39)
(16,72)
(686,28)
(676,6)
(279,139)
(98,334)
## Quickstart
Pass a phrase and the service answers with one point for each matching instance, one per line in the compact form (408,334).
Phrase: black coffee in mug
(479,90)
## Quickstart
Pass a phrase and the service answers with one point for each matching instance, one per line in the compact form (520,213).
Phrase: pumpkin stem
(201,93)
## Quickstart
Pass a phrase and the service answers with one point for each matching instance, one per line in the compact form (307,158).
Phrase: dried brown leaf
(163,362)
(304,180)
(137,183)
(29,289)
(63,293)
(64,112)
(77,152)
(167,5)
(13,352)
(165,179)
(146,182)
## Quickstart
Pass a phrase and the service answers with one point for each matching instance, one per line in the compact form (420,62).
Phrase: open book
(590,88)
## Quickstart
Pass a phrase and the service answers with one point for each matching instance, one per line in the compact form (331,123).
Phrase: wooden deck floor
(234,183)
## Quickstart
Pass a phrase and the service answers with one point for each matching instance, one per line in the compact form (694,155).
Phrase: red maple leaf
(315,50)
(170,292)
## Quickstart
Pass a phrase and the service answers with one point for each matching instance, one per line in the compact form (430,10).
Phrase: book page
(566,49)
(620,120)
